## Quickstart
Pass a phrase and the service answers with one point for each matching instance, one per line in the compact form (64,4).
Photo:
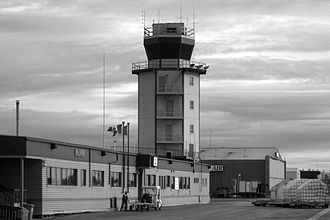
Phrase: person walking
(124,201)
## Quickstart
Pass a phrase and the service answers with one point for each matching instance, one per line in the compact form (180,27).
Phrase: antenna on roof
(104,92)
(180,12)
(158,14)
(144,18)
(194,17)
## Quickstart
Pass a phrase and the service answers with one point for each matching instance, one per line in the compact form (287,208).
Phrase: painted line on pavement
(319,214)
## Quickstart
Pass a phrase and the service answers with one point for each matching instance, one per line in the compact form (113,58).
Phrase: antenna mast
(180,12)
(103,100)
(194,17)
(158,14)
(144,19)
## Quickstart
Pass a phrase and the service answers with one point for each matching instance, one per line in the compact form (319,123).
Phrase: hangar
(241,171)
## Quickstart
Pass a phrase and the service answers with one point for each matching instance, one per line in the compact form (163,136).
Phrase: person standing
(124,201)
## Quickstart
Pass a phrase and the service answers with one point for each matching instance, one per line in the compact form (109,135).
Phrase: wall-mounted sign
(176,183)
(79,152)
(155,162)
(217,168)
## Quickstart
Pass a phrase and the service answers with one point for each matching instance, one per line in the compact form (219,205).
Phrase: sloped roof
(240,153)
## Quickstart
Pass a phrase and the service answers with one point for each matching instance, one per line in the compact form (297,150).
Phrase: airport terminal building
(60,177)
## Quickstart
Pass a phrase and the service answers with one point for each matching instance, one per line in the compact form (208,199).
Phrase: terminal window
(115,179)
(97,178)
(132,180)
(151,180)
(61,176)
(83,178)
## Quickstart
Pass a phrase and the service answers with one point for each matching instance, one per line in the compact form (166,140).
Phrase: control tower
(169,92)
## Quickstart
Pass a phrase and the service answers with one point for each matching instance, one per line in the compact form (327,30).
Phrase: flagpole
(127,155)
(123,186)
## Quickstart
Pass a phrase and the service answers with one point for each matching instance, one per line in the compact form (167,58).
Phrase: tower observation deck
(168,92)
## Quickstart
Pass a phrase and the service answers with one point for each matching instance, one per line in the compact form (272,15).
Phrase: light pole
(201,174)
(127,155)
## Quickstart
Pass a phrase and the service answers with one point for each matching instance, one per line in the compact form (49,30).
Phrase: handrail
(167,64)
(10,212)
(160,151)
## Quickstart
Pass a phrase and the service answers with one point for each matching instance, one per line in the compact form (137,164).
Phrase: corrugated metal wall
(250,170)
(33,175)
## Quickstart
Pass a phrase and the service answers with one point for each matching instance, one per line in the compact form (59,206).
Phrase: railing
(170,88)
(10,212)
(166,63)
(169,114)
(11,196)
(160,151)
(169,137)
(185,32)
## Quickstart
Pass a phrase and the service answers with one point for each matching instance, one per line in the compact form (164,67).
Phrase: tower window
(191,128)
(191,80)
(191,104)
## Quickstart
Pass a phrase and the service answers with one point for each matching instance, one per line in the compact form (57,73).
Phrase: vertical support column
(122,130)
(22,181)
(90,168)
(127,156)
(267,175)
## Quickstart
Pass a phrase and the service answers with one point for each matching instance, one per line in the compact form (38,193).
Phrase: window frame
(191,81)
(96,182)
(115,175)
(191,128)
(191,104)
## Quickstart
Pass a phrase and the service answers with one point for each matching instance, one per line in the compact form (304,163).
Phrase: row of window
(204,181)
(115,179)
(169,181)
(69,177)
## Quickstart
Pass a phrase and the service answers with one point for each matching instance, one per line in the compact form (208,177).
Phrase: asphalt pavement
(230,209)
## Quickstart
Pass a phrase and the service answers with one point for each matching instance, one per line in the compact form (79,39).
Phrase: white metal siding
(276,172)
(191,116)
(77,198)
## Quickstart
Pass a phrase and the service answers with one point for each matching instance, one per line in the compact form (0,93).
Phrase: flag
(119,128)
(113,130)
(125,130)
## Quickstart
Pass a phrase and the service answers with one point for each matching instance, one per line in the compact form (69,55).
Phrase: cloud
(268,82)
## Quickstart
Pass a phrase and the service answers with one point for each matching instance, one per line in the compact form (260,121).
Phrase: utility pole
(123,186)
(103,133)
(128,157)
(22,159)
(17,117)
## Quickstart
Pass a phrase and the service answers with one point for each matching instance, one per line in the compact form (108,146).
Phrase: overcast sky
(268,84)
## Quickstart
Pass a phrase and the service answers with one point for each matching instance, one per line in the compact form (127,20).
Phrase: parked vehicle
(150,199)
